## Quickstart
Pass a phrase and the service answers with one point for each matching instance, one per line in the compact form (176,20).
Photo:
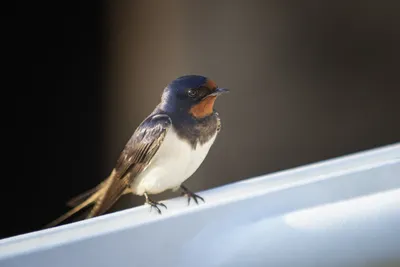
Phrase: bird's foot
(190,195)
(154,204)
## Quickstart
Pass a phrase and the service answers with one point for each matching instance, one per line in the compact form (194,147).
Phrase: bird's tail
(85,195)
(102,197)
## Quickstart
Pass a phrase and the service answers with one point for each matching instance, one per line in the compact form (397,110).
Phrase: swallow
(164,151)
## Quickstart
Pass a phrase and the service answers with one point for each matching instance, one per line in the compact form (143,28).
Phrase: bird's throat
(204,108)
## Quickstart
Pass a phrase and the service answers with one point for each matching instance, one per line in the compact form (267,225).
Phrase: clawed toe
(154,204)
(190,195)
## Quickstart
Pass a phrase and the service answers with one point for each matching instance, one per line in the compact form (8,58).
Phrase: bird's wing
(134,159)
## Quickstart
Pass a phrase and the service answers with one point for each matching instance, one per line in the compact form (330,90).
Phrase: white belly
(174,162)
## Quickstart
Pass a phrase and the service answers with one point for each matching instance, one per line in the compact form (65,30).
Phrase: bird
(164,151)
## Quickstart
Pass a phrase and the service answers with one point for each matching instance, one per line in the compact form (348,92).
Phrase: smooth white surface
(342,212)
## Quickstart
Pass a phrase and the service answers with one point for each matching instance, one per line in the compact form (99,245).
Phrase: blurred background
(309,81)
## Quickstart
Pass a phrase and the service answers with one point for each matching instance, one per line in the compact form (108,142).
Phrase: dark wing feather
(134,159)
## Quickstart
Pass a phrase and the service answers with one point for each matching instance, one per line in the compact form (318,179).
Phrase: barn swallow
(164,151)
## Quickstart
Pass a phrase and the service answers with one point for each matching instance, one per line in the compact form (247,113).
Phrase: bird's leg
(191,195)
(153,203)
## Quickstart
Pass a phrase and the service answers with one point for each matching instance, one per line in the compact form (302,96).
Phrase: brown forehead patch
(210,84)
(204,108)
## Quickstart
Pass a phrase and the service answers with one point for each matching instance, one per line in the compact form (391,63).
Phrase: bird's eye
(192,93)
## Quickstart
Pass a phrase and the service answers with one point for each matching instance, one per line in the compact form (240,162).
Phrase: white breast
(174,162)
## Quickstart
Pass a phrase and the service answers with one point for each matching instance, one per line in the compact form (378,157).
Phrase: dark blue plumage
(193,116)
(175,97)
(165,150)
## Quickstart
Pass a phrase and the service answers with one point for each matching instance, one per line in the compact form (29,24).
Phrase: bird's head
(192,94)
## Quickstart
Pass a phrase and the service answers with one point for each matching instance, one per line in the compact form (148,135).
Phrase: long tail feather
(79,202)
(91,200)
(102,197)
(114,188)
(85,195)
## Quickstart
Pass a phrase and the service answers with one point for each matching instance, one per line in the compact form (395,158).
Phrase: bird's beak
(219,91)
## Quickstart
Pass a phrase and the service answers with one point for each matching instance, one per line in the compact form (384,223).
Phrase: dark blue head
(192,94)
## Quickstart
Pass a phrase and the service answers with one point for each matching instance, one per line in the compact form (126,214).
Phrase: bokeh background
(309,81)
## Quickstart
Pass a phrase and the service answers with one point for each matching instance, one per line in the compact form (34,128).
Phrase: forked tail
(102,197)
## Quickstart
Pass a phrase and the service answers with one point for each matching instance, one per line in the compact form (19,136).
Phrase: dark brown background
(309,81)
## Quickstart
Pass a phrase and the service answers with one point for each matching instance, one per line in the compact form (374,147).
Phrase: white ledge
(340,212)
